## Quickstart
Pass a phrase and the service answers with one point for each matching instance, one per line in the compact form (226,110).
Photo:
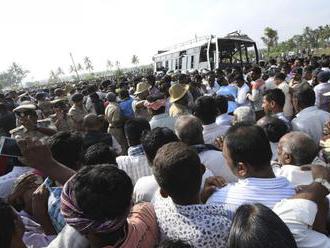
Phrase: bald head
(189,129)
(297,148)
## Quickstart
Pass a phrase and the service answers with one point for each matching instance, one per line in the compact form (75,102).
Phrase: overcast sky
(39,34)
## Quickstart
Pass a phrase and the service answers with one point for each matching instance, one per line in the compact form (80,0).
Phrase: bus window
(192,62)
(203,54)
(158,65)
(176,64)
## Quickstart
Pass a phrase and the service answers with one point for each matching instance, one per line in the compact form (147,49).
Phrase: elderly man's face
(280,153)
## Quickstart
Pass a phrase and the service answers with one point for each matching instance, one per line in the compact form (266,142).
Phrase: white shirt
(213,131)
(69,238)
(215,162)
(299,216)
(270,84)
(212,90)
(162,120)
(253,190)
(294,174)
(7,181)
(241,99)
(288,108)
(146,187)
(273,146)
(311,120)
(136,166)
(224,119)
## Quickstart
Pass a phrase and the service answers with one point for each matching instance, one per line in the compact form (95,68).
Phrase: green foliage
(317,39)
(13,76)
(270,39)
(88,64)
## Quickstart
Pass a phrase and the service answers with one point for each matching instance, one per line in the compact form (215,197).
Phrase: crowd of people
(232,158)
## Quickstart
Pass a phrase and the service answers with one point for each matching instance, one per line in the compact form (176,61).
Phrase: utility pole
(74,66)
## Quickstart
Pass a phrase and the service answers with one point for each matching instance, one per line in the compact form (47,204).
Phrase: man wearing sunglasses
(28,119)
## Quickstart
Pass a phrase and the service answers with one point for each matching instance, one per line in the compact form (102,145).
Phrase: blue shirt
(229,90)
(126,108)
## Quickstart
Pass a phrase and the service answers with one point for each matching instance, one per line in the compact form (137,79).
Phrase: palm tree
(79,67)
(88,64)
(53,76)
(270,38)
(109,65)
(17,73)
(71,69)
(135,60)
(117,64)
(59,73)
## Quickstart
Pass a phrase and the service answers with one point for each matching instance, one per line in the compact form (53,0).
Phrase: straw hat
(141,87)
(177,91)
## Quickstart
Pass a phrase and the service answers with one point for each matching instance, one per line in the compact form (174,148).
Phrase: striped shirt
(253,190)
(135,164)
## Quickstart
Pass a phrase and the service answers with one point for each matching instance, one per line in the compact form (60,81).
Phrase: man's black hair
(155,139)
(261,228)
(222,104)
(67,148)
(274,128)
(248,144)
(305,96)
(280,76)
(256,69)
(104,186)
(99,153)
(134,130)
(205,109)
(275,95)
(177,169)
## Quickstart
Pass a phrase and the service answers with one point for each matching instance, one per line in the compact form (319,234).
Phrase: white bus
(208,52)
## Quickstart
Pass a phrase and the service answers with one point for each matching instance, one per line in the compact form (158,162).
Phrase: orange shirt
(142,228)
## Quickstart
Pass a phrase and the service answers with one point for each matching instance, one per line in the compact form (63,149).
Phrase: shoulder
(143,213)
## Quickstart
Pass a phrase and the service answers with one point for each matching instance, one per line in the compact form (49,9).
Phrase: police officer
(28,119)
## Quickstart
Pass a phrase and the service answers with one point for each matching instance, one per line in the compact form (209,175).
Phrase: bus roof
(201,41)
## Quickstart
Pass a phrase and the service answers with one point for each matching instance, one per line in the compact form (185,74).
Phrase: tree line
(309,39)
(15,74)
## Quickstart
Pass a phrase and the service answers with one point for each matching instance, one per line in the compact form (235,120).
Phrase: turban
(76,218)
(155,105)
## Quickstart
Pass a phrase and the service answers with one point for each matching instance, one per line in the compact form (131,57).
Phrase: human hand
(40,203)
(211,185)
(16,198)
(35,153)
